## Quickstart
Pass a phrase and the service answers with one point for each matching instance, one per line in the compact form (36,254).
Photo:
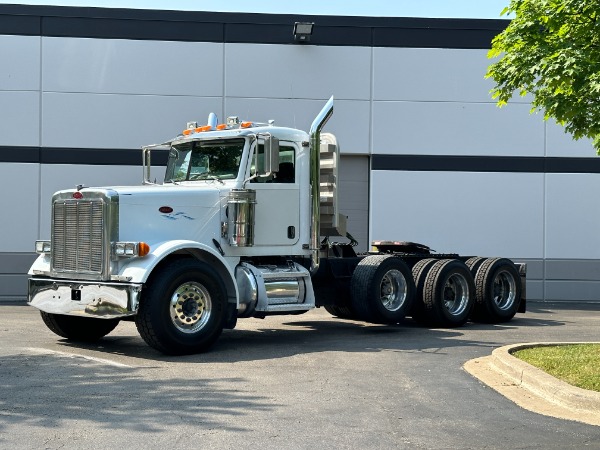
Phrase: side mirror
(271,155)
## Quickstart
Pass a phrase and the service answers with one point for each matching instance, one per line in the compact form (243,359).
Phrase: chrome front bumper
(103,300)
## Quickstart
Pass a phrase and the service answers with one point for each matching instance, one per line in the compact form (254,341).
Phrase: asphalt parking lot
(309,381)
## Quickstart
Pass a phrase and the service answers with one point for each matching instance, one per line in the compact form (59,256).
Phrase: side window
(287,166)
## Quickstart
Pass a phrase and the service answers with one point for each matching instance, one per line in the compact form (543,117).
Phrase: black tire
(343,312)
(474,263)
(183,308)
(83,329)
(448,293)
(419,273)
(498,291)
(382,289)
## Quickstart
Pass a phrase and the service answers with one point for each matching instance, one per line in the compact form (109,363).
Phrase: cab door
(277,214)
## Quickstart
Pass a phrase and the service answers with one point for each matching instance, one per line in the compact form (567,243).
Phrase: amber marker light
(246,124)
(187,132)
(130,249)
(143,249)
(221,126)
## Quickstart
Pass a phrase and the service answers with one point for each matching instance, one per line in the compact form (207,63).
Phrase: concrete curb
(533,388)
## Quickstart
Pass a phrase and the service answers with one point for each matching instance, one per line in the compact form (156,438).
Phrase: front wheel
(84,329)
(183,308)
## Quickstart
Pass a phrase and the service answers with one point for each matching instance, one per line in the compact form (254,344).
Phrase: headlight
(43,247)
(131,249)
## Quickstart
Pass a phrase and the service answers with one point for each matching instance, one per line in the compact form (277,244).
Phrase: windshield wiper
(206,175)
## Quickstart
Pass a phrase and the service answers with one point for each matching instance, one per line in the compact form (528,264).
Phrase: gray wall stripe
(197,26)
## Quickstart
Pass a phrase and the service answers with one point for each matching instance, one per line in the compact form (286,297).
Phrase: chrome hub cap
(393,290)
(504,290)
(456,294)
(190,307)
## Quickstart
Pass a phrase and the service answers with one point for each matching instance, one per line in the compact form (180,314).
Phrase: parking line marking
(75,355)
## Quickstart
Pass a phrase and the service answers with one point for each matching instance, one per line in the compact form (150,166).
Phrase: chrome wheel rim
(456,294)
(504,290)
(393,290)
(190,307)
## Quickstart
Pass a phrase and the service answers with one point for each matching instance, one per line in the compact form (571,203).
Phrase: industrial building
(426,155)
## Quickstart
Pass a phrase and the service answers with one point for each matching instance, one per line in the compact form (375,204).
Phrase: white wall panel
(456,129)
(119,121)
(559,143)
(19,118)
(19,205)
(486,214)
(20,67)
(350,120)
(55,177)
(572,219)
(132,67)
(297,71)
(431,74)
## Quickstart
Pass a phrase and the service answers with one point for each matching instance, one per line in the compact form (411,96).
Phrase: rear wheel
(85,329)
(448,293)
(382,289)
(498,291)
(183,309)
(419,273)
(474,263)
(343,312)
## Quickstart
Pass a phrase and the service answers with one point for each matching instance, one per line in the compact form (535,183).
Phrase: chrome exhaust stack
(315,167)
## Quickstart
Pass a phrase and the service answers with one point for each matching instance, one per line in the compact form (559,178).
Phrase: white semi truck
(242,227)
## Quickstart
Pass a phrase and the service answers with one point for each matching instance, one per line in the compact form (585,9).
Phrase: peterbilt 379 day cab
(241,227)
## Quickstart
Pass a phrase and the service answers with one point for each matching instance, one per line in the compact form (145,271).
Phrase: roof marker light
(246,124)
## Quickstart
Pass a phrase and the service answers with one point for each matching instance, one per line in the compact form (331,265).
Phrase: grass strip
(576,364)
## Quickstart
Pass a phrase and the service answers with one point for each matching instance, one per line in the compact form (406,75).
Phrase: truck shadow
(46,391)
(299,337)
(50,390)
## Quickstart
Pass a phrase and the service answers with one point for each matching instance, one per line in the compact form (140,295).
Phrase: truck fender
(41,265)
(138,270)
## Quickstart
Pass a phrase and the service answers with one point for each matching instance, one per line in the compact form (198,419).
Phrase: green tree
(551,49)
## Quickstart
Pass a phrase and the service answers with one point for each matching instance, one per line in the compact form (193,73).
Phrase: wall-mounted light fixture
(303,31)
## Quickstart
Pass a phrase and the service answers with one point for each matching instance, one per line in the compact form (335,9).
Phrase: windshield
(204,160)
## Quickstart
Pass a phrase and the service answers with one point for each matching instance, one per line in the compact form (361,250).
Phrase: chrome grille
(78,236)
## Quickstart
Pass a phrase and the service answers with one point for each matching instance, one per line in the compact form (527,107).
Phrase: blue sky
(481,9)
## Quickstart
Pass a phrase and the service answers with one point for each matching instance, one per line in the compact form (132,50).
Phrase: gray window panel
(353,178)
(16,263)
(573,270)
(13,288)
(560,291)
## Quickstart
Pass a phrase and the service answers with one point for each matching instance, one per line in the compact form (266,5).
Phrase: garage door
(353,197)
